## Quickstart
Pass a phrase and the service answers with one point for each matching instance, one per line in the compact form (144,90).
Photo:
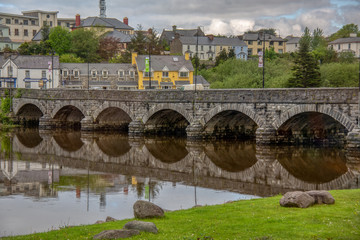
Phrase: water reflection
(105,174)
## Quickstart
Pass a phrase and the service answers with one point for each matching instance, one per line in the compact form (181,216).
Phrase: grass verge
(249,219)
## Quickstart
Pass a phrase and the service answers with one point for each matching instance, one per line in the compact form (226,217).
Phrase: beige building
(350,44)
(255,43)
(22,28)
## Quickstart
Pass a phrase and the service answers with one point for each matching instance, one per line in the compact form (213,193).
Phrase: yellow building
(166,72)
(255,43)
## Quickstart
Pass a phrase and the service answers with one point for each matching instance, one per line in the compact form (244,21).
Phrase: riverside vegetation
(248,219)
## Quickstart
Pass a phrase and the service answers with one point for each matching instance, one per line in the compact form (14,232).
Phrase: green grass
(251,219)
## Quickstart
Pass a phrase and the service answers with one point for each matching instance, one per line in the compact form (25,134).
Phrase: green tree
(345,31)
(85,43)
(70,58)
(108,48)
(195,61)
(222,57)
(231,53)
(60,40)
(139,42)
(306,68)
(45,32)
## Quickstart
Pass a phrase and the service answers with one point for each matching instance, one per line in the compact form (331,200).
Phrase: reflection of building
(30,179)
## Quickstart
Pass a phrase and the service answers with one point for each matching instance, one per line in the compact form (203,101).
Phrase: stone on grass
(110,219)
(144,209)
(322,197)
(114,234)
(142,226)
(297,199)
(99,222)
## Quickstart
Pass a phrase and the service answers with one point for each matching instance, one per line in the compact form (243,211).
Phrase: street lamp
(149,66)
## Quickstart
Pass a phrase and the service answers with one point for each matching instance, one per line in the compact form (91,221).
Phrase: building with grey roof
(208,47)
(29,71)
(256,42)
(110,24)
(98,76)
(350,44)
(292,44)
(169,35)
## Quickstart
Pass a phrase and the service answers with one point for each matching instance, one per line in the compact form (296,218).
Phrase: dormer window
(93,73)
(121,73)
(105,73)
(132,74)
(65,73)
(76,73)
(184,72)
(165,72)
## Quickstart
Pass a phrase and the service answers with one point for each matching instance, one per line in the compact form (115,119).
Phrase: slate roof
(37,37)
(5,40)
(201,80)
(293,40)
(170,34)
(158,62)
(106,22)
(255,36)
(3,26)
(34,61)
(346,40)
(121,37)
(111,67)
(217,41)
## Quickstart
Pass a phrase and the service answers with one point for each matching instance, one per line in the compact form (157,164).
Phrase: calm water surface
(54,179)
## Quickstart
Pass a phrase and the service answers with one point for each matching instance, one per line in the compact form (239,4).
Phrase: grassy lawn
(249,219)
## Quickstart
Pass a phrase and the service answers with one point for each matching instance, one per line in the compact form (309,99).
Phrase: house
(208,47)
(22,28)
(29,71)
(169,35)
(292,44)
(122,39)
(350,44)
(164,71)
(107,24)
(255,44)
(98,76)
(5,41)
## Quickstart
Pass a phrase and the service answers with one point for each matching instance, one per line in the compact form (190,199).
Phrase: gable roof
(255,37)
(34,61)
(158,62)
(105,22)
(293,40)
(120,37)
(217,41)
(170,34)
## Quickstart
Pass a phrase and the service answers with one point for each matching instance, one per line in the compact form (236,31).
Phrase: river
(52,179)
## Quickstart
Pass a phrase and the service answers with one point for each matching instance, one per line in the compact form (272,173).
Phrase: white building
(23,71)
(350,44)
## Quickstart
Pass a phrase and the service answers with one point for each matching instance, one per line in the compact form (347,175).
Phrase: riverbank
(248,219)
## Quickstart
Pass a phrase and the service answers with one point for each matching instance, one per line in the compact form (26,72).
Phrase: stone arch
(77,105)
(24,102)
(122,106)
(336,115)
(232,107)
(170,106)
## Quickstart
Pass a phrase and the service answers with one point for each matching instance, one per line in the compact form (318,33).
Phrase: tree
(270,31)
(139,42)
(231,53)
(108,48)
(60,40)
(345,31)
(85,43)
(318,40)
(222,57)
(306,68)
(45,32)
(195,61)
(70,58)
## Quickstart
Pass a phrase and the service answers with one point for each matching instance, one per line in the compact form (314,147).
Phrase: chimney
(174,28)
(211,37)
(77,20)
(177,35)
(126,20)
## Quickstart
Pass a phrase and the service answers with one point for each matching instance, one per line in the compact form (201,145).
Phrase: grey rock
(114,234)
(110,219)
(144,209)
(142,226)
(322,197)
(99,222)
(297,199)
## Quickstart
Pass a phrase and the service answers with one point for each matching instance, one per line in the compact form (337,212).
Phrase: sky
(226,17)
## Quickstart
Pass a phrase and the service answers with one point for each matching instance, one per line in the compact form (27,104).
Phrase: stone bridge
(323,115)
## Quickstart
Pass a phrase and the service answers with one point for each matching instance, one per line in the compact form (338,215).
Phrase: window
(26,22)
(221,48)
(183,74)
(8,21)
(280,43)
(33,22)
(121,73)
(188,47)
(16,32)
(250,51)
(132,74)
(202,48)
(146,74)
(27,84)
(271,43)
(76,73)
(93,73)
(250,42)
(26,32)
(338,46)
(280,51)
(50,23)
(165,74)
(65,73)
(16,21)
(27,74)
(259,50)
(43,74)
(48,16)
(1,33)
(10,71)
(259,43)
(241,49)
(105,73)
(68,25)
(34,32)
(349,46)
(210,48)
